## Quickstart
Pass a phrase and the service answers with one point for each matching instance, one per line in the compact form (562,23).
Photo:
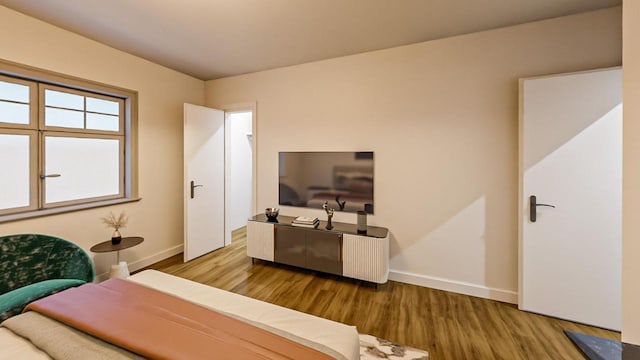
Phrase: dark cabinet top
(338,227)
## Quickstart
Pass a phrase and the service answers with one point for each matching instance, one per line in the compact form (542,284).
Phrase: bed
(339,340)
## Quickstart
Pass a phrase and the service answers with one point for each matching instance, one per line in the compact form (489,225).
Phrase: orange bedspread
(160,326)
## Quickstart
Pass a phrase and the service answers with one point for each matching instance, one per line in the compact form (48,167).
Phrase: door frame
(231,108)
(521,202)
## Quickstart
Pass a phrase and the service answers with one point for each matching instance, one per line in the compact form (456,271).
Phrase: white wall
(442,118)
(158,216)
(239,181)
(631,174)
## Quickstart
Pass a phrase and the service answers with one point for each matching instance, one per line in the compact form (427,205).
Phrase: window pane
(88,168)
(64,100)
(14,113)
(64,118)
(103,106)
(14,182)
(103,122)
(14,92)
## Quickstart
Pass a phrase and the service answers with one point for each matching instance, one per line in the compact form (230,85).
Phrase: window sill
(63,209)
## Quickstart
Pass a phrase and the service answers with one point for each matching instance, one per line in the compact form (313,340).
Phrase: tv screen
(342,179)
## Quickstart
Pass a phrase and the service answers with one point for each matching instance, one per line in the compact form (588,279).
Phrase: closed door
(571,159)
(203,180)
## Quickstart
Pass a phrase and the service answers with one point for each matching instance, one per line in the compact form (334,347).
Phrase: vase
(116,238)
(329,225)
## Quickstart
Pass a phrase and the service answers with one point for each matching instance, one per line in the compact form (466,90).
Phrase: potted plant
(115,223)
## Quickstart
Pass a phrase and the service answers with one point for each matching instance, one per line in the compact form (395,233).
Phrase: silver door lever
(193,188)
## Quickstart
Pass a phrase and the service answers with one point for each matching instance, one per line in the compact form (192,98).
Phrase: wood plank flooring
(448,325)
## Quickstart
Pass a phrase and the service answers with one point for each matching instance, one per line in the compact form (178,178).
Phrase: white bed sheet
(339,337)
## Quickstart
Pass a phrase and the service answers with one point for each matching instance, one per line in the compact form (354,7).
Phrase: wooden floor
(448,325)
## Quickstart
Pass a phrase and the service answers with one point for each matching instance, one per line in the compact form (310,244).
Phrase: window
(63,146)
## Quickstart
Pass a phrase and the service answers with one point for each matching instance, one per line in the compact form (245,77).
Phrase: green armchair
(33,266)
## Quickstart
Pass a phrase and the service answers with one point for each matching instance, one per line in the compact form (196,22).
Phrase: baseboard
(454,286)
(146,261)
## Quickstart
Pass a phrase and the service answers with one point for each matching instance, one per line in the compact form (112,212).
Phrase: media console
(341,250)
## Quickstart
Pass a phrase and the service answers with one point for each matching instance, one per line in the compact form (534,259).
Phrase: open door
(204,208)
(571,196)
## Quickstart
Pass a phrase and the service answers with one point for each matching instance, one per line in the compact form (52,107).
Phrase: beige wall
(158,216)
(631,174)
(442,118)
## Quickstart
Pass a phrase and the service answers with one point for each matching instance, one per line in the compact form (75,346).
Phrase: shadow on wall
(462,246)
(458,245)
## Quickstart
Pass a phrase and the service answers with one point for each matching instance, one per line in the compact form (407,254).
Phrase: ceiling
(210,39)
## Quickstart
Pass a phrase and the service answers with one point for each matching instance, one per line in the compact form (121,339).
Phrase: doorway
(219,175)
(238,170)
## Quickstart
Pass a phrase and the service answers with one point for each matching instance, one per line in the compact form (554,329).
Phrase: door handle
(43,176)
(533,204)
(193,188)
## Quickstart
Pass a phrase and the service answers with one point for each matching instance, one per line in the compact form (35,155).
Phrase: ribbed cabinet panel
(366,258)
(260,240)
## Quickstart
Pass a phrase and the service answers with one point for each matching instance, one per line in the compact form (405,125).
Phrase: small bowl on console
(272,214)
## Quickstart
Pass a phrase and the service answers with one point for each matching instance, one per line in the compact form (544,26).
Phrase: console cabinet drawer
(324,252)
(308,248)
(290,246)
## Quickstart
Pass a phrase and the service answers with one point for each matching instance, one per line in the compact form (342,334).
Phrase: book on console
(305,220)
(312,225)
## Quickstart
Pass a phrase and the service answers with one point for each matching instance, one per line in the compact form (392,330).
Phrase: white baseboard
(146,261)
(395,275)
(454,286)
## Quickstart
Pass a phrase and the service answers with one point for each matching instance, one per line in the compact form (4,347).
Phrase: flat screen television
(343,179)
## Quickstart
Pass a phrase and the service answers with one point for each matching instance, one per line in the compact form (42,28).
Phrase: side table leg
(121,270)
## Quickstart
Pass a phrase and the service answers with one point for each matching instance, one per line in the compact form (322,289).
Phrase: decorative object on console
(362,222)
(116,223)
(272,214)
(329,215)
(308,222)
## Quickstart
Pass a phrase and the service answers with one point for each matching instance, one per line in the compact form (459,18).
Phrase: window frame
(39,80)
(33,170)
(33,96)
(42,87)
(42,183)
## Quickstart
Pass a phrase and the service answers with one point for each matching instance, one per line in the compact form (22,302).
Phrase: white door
(203,180)
(571,158)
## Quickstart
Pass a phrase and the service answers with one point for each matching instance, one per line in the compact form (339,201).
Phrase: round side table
(121,270)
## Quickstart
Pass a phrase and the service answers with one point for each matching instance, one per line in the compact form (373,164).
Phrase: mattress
(333,335)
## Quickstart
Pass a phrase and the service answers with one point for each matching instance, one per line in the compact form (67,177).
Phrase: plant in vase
(329,212)
(115,223)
